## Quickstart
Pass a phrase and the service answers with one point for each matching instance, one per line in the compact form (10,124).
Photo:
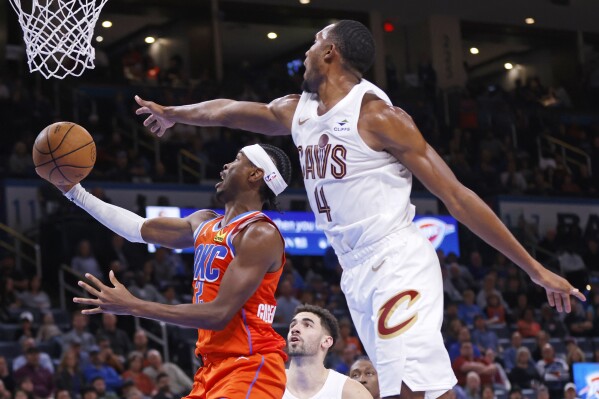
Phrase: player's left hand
(115,300)
(558,290)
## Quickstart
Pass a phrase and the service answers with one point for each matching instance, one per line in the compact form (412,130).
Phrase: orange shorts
(252,377)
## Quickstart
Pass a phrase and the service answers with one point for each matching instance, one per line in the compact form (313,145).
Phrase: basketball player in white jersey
(312,332)
(358,153)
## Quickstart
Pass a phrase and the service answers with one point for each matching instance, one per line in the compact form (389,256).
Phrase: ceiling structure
(245,23)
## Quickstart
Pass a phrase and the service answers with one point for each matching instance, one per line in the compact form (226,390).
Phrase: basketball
(64,153)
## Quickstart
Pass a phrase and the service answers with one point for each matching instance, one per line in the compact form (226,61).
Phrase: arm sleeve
(123,222)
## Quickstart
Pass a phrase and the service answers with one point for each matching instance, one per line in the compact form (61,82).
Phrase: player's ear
(256,174)
(329,52)
(327,342)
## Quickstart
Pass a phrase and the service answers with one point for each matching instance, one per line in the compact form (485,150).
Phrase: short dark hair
(355,43)
(283,164)
(327,320)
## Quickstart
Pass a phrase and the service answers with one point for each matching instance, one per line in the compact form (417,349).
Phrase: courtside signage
(302,237)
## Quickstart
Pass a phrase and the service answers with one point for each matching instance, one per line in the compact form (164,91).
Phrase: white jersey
(358,195)
(332,388)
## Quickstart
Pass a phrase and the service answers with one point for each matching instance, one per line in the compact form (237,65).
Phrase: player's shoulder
(285,103)
(376,111)
(201,216)
(352,389)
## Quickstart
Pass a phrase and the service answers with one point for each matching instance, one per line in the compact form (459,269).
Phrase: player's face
(314,59)
(230,175)
(305,335)
(364,372)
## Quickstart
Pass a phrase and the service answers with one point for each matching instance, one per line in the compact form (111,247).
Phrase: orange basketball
(64,153)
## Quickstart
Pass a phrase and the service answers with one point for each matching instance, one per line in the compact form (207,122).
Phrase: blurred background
(506,91)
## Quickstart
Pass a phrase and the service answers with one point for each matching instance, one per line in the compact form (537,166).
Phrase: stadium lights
(99,39)
(272,35)
(304,1)
(474,50)
(150,39)
(508,65)
(529,21)
(107,24)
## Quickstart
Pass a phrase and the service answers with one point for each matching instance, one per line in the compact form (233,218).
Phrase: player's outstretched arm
(165,231)
(273,119)
(352,389)
(259,249)
(390,129)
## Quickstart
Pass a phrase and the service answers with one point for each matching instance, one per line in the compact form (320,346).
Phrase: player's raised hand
(115,300)
(158,122)
(558,290)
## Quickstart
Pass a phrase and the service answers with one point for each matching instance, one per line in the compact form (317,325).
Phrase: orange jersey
(250,330)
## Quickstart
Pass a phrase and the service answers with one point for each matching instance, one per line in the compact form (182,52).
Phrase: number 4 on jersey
(321,203)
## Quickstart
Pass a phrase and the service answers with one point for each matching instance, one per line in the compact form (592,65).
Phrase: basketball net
(58,35)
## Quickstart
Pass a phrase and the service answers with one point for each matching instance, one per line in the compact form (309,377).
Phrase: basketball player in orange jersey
(238,261)
(358,153)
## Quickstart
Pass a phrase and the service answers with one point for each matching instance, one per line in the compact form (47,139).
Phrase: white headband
(272,177)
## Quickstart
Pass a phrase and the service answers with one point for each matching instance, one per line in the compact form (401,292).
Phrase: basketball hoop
(58,35)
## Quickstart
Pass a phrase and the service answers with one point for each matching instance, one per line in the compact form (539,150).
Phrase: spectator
(488,392)
(63,394)
(527,325)
(69,376)
(472,389)
(510,353)
(495,311)
(79,333)
(466,362)
(483,337)
(4,393)
(488,288)
(524,374)
(99,386)
(85,261)
(579,321)
(6,375)
(541,339)
(515,393)
(163,387)
(570,391)
(34,297)
(42,379)
(345,334)
(364,372)
(99,368)
(476,268)
(551,323)
(574,355)
(179,382)
(572,266)
(463,337)
(134,373)
(119,340)
(27,330)
(44,359)
(542,392)
(467,310)
(286,303)
(553,370)
(143,289)
(49,331)
(89,393)
(140,344)
(20,163)
(500,379)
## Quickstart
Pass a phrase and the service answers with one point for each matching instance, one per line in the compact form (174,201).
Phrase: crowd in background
(503,338)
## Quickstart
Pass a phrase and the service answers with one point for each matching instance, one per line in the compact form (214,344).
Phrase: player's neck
(236,208)
(306,374)
(333,89)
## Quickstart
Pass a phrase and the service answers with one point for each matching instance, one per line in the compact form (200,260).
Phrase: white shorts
(394,290)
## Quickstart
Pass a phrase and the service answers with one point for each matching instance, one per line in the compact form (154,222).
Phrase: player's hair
(327,320)
(283,164)
(355,43)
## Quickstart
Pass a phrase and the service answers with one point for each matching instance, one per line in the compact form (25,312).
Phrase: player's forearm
(471,211)
(203,315)
(207,113)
